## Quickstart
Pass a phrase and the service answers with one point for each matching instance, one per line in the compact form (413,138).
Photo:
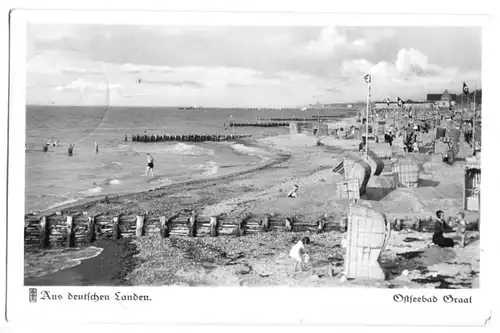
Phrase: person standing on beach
(70,150)
(151,165)
(97,147)
(461,228)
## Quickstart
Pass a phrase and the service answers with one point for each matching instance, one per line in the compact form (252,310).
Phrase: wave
(114,182)
(117,163)
(160,181)
(123,146)
(60,260)
(185,149)
(251,151)
(210,168)
(93,190)
(62,203)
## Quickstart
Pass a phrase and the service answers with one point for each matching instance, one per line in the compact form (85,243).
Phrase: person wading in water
(151,165)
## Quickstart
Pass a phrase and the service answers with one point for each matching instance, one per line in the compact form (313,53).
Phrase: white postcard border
(245,305)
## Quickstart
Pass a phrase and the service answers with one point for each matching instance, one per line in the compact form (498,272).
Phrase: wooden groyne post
(189,137)
(43,233)
(213,226)
(116,227)
(91,229)
(78,229)
(69,231)
(139,227)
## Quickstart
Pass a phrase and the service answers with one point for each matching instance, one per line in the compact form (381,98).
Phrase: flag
(368,78)
(465,89)
(400,102)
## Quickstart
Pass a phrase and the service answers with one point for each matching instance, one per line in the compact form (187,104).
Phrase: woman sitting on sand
(439,228)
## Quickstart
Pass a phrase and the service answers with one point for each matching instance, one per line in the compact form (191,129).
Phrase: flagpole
(367,115)
(474,127)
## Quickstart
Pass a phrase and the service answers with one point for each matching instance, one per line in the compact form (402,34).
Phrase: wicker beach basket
(380,129)
(357,167)
(442,147)
(376,163)
(295,127)
(407,172)
(368,233)
(454,135)
(348,189)
(383,150)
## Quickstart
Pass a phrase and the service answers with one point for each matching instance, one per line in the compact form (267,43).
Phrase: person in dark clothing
(439,228)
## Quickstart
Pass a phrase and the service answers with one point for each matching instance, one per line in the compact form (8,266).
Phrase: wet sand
(110,268)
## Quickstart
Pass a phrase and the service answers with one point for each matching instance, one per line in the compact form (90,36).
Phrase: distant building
(408,104)
(443,100)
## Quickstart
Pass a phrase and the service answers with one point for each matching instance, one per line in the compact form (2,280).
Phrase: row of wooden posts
(80,229)
(187,137)
(313,118)
(257,124)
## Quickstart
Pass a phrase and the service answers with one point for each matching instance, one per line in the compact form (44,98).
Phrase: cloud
(412,62)
(333,89)
(329,39)
(83,85)
(70,70)
(186,83)
(409,64)
(355,67)
(411,73)
(141,68)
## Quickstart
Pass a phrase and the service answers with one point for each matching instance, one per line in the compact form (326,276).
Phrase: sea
(53,178)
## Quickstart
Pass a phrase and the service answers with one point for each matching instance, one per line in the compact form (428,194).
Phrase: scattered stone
(405,272)
(243,269)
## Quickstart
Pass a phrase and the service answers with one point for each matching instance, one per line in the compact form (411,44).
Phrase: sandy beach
(263,259)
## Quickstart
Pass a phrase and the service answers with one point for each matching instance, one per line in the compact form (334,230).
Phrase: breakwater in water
(258,124)
(187,137)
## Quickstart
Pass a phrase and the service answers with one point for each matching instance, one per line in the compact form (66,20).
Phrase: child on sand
(293,193)
(461,228)
(298,253)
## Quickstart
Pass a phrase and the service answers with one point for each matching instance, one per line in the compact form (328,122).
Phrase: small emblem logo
(33,295)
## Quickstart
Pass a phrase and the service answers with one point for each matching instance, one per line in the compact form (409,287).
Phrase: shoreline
(109,268)
(279,157)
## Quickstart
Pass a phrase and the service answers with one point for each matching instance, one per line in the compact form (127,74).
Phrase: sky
(238,66)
